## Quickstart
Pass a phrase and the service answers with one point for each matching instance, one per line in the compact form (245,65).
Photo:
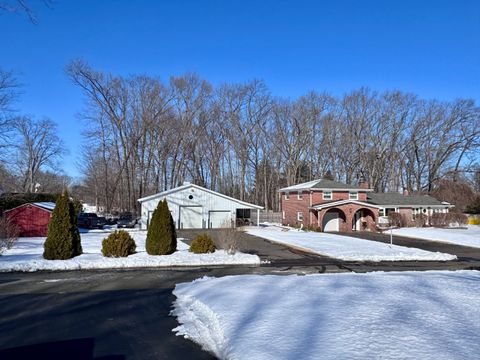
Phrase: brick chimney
(405,192)
(363,183)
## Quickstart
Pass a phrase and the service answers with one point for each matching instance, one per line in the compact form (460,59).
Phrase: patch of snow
(345,247)
(27,255)
(466,237)
(409,315)
(46,205)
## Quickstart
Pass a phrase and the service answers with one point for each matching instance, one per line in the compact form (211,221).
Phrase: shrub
(420,220)
(63,238)
(439,219)
(118,244)
(228,240)
(395,219)
(202,244)
(473,221)
(8,234)
(161,235)
(458,219)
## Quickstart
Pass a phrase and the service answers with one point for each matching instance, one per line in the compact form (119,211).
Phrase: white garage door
(330,222)
(219,219)
(191,217)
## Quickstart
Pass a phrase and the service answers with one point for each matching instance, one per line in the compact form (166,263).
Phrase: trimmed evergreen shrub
(118,244)
(161,235)
(63,238)
(202,244)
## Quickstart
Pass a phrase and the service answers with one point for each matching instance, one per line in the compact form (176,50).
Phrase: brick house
(329,205)
(333,206)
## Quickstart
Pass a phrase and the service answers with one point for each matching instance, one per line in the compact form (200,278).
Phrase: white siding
(207,200)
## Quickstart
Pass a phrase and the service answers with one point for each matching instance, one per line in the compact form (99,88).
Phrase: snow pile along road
(345,247)
(410,315)
(466,237)
(26,255)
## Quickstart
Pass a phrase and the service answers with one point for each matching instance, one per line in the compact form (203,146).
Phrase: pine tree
(63,238)
(161,236)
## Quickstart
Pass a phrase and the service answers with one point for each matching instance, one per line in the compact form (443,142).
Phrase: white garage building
(194,207)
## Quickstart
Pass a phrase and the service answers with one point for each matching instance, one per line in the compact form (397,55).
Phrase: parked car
(90,221)
(102,221)
(112,218)
(126,221)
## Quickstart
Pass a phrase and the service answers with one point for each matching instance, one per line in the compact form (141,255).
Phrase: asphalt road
(124,314)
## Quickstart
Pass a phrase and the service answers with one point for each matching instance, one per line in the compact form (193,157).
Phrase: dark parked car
(102,221)
(126,221)
(90,221)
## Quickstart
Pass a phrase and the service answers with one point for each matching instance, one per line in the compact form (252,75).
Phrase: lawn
(409,315)
(469,236)
(26,255)
(345,247)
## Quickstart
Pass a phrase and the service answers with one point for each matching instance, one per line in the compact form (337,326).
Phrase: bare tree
(38,146)
(23,7)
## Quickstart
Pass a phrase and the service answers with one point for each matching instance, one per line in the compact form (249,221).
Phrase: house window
(300,195)
(287,195)
(300,216)
(381,212)
(353,195)
(327,195)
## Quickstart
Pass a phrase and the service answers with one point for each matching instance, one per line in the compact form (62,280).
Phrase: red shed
(32,218)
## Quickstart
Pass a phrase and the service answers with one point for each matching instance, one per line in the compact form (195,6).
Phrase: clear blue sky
(431,48)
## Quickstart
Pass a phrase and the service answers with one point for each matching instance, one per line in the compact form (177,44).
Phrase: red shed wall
(32,220)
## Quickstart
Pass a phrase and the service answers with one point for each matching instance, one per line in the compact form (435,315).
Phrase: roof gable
(189,185)
(323,184)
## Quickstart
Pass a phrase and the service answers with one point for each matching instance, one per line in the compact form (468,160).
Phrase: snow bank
(345,247)
(465,237)
(409,315)
(26,255)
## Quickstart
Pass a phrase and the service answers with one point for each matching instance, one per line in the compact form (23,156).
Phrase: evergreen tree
(161,236)
(63,238)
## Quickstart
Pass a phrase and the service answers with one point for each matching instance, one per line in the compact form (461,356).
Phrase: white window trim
(299,216)
(287,195)
(350,193)
(283,215)
(328,198)
(300,195)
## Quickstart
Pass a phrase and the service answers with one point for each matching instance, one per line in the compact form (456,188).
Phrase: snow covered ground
(466,237)
(26,255)
(344,247)
(409,315)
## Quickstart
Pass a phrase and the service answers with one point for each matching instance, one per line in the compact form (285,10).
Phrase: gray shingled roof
(322,184)
(400,199)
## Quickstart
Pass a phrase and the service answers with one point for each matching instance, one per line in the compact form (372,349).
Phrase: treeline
(144,135)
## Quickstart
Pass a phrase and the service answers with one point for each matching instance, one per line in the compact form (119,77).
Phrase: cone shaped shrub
(161,235)
(118,244)
(63,238)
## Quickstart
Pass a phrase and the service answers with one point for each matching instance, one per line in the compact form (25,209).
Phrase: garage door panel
(331,222)
(219,219)
(191,217)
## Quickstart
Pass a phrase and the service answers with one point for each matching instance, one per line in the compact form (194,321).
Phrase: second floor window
(299,195)
(353,195)
(287,196)
(327,195)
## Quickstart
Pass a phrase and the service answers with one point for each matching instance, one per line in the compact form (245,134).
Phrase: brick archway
(347,211)
(363,220)
(342,218)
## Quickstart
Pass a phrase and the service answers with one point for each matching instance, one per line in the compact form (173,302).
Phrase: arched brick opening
(364,220)
(330,216)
